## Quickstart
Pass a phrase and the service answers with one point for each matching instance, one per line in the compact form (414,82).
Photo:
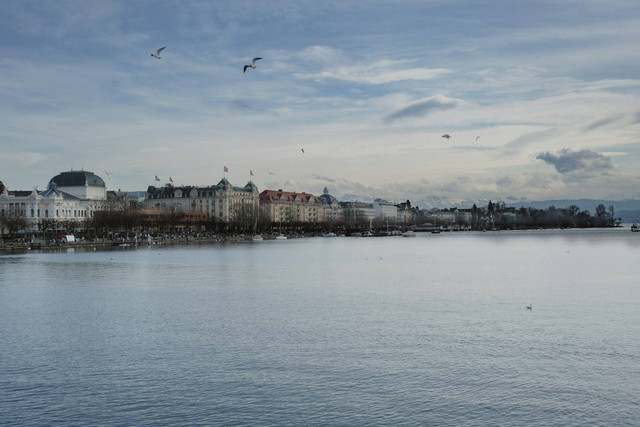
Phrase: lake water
(431,330)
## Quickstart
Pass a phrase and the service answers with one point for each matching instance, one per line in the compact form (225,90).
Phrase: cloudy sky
(541,98)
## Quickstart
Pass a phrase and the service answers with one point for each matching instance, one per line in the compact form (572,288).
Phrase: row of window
(36,213)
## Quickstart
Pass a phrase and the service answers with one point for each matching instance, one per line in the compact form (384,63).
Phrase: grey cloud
(567,161)
(324,178)
(423,107)
(242,105)
(473,148)
(504,181)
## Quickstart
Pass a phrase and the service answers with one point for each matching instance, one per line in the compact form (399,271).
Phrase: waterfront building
(222,202)
(70,197)
(357,213)
(450,217)
(465,217)
(331,210)
(406,214)
(384,210)
(158,220)
(287,206)
(440,217)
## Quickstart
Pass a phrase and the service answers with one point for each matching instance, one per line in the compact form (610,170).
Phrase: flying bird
(252,65)
(302,150)
(157,54)
(108,173)
(477,137)
(529,307)
(446,135)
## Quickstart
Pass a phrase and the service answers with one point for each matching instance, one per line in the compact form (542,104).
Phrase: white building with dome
(70,196)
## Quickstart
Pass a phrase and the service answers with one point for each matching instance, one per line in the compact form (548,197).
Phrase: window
(46,213)
(32,213)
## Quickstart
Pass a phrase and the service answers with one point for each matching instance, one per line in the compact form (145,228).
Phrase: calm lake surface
(430,330)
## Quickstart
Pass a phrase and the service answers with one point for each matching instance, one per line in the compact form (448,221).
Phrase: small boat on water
(257,238)
(409,233)
(636,225)
(281,237)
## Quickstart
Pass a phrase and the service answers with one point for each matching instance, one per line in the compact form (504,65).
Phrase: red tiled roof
(287,196)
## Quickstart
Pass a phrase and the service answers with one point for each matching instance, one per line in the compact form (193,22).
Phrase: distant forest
(496,215)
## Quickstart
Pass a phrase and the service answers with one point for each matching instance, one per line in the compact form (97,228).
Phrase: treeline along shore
(132,227)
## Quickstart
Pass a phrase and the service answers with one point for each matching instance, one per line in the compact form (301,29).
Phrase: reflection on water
(429,330)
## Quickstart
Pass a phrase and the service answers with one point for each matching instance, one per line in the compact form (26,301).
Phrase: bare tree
(601,214)
(15,221)
(46,224)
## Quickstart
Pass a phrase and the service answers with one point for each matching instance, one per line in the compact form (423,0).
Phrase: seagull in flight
(252,65)
(302,150)
(108,173)
(477,138)
(157,54)
(446,135)
(529,307)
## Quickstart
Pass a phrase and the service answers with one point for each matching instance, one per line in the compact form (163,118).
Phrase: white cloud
(333,64)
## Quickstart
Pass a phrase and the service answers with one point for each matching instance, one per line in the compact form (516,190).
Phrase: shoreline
(8,248)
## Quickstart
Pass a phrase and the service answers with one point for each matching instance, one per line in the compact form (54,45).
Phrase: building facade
(331,210)
(71,197)
(385,210)
(357,213)
(222,202)
(406,214)
(286,206)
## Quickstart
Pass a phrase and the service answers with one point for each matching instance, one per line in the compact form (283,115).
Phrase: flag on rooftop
(157,179)
(225,169)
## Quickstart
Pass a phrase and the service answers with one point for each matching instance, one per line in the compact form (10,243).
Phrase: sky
(541,98)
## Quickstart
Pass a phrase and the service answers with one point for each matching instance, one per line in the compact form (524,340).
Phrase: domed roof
(78,179)
(327,198)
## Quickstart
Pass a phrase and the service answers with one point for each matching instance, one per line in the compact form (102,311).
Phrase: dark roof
(250,187)
(52,190)
(224,184)
(327,199)
(78,179)
(287,196)
(168,191)
(20,193)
